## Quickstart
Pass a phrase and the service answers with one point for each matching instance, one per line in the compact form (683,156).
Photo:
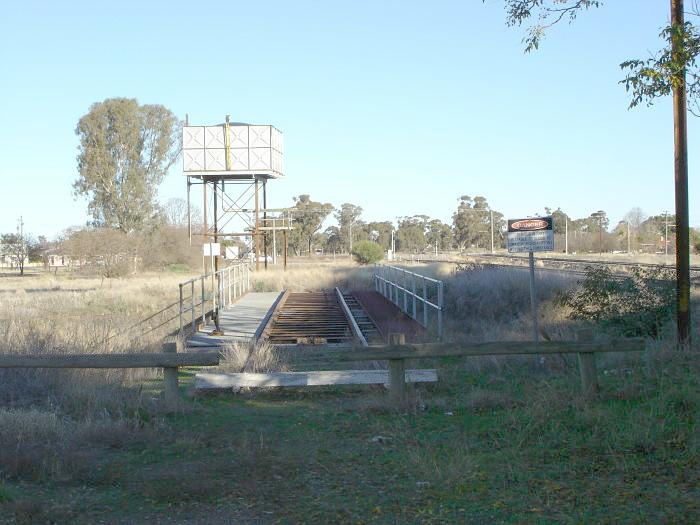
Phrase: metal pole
(180,287)
(666,235)
(274,241)
(203,306)
(405,292)
(425,303)
(206,225)
(257,227)
(194,326)
(440,306)
(189,212)
(217,281)
(413,284)
(533,299)
(265,220)
(286,246)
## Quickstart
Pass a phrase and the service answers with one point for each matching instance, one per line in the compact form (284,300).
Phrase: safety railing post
(192,309)
(215,279)
(387,285)
(413,284)
(405,292)
(440,301)
(203,306)
(425,303)
(180,287)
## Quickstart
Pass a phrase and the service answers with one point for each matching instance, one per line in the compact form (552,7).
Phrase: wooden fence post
(586,365)
(170,384)
(397,373)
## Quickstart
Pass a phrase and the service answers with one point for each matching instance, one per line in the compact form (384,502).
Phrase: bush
(638,305)
(368,252)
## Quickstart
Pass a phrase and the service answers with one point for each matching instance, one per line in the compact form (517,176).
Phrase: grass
(508,445)
(313,277)
(495,441)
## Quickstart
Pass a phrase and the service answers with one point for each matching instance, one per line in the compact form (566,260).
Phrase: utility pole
(350,237)
(599,215)
(22,245)
(680,141)
(666,234)
(629,238)
(566,235)
(492,231)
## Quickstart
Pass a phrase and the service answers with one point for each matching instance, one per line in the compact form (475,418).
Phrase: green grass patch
(504,445)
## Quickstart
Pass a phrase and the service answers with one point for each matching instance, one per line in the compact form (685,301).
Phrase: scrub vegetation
(496,440)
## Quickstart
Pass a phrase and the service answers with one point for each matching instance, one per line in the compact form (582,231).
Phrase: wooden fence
(169,360)
(396,354)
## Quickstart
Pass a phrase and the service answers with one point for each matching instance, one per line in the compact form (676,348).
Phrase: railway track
(308,318)
(366,324)
(551,264)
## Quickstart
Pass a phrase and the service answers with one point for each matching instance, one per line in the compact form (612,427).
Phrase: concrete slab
(239,321)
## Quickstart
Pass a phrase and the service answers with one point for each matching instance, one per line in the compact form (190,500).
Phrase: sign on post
(211,249)
(530,235)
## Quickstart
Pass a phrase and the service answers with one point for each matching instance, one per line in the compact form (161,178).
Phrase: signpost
(531,235)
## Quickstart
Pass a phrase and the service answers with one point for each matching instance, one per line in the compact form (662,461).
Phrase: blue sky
(398,106)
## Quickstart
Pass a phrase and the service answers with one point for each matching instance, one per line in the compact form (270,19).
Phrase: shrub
(638,305)
(368,252)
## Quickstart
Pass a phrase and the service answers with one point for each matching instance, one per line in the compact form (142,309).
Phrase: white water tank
(233,149)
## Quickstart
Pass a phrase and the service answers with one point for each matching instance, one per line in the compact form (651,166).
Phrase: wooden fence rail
(169,360)
(398,352)
(154,360)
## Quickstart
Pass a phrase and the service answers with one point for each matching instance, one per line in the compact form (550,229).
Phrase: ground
(503,445)
(494,441)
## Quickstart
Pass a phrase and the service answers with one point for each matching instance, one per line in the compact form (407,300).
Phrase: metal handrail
(219,288)
(392,282)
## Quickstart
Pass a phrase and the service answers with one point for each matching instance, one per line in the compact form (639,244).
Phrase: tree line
(474,226)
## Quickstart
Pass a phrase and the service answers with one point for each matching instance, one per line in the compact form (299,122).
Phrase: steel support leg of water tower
(264,236)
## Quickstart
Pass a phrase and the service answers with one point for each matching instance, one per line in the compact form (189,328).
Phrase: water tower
(233,162)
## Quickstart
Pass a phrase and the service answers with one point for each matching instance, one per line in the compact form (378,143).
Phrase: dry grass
(259,358)
(313,277)
(55,422)
(72,408)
